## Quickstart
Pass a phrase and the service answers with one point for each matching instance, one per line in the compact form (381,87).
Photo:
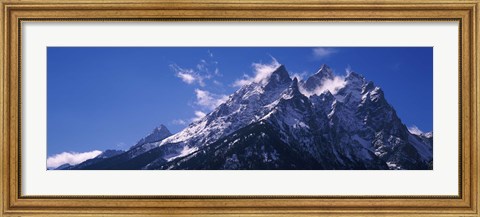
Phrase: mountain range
(283,123)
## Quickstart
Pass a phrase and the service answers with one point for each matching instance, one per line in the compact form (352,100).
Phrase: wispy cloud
(188,76)
(415,130)
(332,85)
(209,100)
(348,69)
(72,158)
(261,73)
(198,115)
(300,76)
(323,52)
(203,71)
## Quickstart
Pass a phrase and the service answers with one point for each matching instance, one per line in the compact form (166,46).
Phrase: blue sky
(102,98)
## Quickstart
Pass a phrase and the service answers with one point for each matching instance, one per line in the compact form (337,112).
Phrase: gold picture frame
(14,12)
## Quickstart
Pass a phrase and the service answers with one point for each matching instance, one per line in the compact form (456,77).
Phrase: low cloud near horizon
(72,158)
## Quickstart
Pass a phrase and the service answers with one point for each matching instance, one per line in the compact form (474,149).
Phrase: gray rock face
(275,124)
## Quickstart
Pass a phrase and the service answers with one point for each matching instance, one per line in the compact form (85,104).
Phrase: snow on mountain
(325,122)
(243,107)
(317,79)
(109,153)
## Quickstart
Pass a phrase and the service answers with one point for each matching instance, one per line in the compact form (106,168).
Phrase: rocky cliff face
(283,123)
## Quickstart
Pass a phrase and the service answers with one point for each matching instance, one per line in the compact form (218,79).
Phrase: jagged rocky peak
(324,72)
(355,82)
(377,94)
(368,87)
(161,128)
(278,77)
(281,73)
(294,84)
(272,123)
(325,97)
(317,79)
(159,133)
(354,77)
(353,88)
(293,89)
(323,103)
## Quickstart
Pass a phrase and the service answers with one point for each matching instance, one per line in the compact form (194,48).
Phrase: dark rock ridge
(283,123)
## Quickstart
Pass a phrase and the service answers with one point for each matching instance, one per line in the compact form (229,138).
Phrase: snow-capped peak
(343,122)
(281,72)
(352,76)
(292,90)
(428,134)
(416,131)
(294,84)
(324,72)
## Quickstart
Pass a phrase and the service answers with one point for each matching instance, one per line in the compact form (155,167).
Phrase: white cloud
(188,76)
(217,72)
(203,71)
(200,67)
(209,100)
(414,130)
(332,85)
(198,115)
(300,76)
(261,73)
(72,158)
(241,82)
(348,69)
(323,52)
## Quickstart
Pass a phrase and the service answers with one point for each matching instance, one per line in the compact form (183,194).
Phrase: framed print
(255,108)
